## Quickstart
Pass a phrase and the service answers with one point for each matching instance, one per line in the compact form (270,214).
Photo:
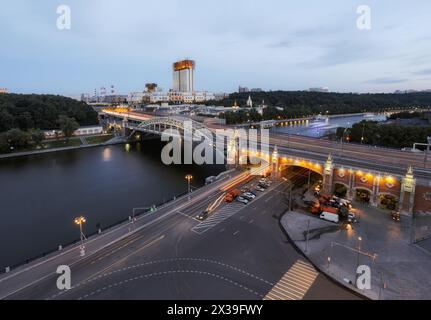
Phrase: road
(350,150)
(240,254)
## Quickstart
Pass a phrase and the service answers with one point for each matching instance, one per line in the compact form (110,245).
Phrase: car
(202,216)
(329,216)
(246,196)
(396,216)
(343,202)
(260,189)
(242,200)
(250,194)
(262,186)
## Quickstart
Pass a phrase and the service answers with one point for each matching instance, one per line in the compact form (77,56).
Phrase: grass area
(99,139)
(73,142)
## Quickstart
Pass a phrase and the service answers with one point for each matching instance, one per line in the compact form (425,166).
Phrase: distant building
(220,96)
(249,102)
(3,90)
(151,87)
(256,90)
(184,76)
(82,131)
(243,89)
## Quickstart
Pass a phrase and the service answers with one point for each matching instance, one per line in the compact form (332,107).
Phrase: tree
(68,126)
(18,138)
(4,144)
(36,135)
(6,120)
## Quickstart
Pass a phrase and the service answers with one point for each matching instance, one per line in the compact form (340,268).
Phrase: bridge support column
(124,127)
(351,189)
(328,175)
(376,186)
(407,196)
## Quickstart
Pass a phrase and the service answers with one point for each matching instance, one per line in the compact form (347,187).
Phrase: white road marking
(295,283)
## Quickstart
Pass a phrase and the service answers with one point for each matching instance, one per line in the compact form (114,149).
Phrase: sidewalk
(399,271)
(115,140)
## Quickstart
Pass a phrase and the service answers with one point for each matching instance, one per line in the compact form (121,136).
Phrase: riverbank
(90,143)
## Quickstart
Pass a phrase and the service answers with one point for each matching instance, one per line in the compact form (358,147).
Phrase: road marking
(167,273)
(219,216)
(251,221)
(295,283)
(236,232)
(222,230)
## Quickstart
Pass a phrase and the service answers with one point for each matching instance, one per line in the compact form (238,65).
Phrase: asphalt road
(240,257)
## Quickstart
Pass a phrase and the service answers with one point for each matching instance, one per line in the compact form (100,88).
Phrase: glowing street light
(80,222)
(189,178)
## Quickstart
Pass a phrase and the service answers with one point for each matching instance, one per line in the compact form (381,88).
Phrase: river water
(323,127)
(40,195)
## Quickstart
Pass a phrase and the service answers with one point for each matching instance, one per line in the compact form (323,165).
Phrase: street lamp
(359,253)
(189,178)
(342,138)
(80,221)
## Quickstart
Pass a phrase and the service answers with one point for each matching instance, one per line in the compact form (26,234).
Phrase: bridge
(363,171)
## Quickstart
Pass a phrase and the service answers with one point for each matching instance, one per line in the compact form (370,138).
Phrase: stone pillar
(124,127)
(328,175)
(373,198)
(407,195)
(275,164)
(350,191)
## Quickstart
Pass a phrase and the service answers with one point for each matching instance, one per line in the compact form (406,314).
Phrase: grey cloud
(385,80)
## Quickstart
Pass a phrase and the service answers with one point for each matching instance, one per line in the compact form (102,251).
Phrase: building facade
(184,76)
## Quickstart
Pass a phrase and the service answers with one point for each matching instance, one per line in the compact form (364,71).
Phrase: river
(40,195)
(321,128)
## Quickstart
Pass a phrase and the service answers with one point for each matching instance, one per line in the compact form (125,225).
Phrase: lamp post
(359,253)
(342,140)
(80,221)
(363,132)
(189,178)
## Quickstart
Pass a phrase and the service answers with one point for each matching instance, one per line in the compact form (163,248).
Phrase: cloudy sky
(272,44)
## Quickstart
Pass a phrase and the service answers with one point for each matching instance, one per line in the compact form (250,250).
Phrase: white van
(328,216)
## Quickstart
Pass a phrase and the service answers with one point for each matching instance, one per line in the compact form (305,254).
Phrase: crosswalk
(295,283)
(217,217)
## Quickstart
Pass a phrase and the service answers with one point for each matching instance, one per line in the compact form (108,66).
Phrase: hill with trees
(41,111)
(302,103)
(23,117)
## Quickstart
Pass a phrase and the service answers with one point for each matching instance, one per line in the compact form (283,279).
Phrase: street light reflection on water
(107,154)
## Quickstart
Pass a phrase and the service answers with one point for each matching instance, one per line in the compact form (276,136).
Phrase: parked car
(250,194)
(260,189)
(342,201)
(396,216)
(263,186)
(246,196)
(242,200)
(330,214)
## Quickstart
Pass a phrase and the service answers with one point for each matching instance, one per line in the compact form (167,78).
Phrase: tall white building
(184,76)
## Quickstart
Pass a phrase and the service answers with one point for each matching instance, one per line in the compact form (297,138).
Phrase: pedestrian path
(295,283)
(219,216)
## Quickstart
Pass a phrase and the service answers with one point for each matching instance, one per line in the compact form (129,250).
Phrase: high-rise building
(184,76)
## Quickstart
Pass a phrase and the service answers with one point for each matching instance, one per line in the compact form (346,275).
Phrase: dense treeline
(386,135)
(41,111)
(410,115)
(292,104)
(23,117)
